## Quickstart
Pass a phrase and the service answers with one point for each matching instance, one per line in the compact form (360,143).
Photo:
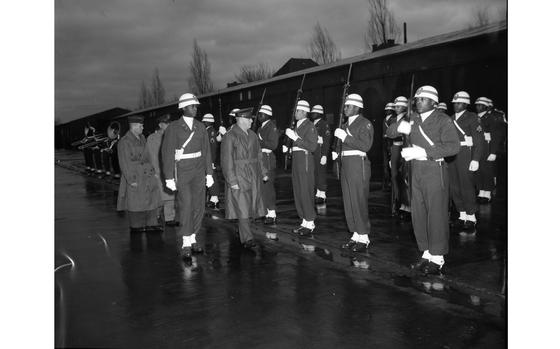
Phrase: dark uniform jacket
(136,167)
(391,131)
(307,134)
(212,134)
(242,164)
(360,135)
(493,123)
(268,138)
(470,125)
(175,135)
(324,131)
(441,131)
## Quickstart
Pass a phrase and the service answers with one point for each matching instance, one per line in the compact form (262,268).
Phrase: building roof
(102,115)
(295,64)
(415,45)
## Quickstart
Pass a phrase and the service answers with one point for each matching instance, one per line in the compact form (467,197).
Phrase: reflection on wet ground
(114,289)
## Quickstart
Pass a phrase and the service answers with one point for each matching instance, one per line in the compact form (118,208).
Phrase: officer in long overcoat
(139,193)
(244,173)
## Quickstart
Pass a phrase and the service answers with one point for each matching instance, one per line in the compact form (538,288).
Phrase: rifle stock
(338,144)
(287,141)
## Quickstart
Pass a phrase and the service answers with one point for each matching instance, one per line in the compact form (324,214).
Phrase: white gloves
(414,152)
(487,136)
(491,157)
(222,130)
(319,140)
(284,149)
(213,166)
(473,166)
(468,142)
(170,183)
(404,128)
(323,160)
(389,163)
(265,179)
(291,134)
(219,138)
(209,181)
(340,134)
(260,137)
(334,155)
(178,153)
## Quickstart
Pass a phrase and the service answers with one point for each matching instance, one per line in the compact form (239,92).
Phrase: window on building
(241,96)
(249,94)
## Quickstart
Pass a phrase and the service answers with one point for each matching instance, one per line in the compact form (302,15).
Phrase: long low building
(473,60)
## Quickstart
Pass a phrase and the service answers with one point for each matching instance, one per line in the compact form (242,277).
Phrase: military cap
(136,119)
(246,113)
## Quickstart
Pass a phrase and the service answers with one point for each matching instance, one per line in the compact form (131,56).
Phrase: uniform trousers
(396,174)
(354,179)
(461,182)
(244,226)
(214,190)
(141,219)
(485,174)
(303,182)
(190,198)
(430,200)
(320,172)
(268,190)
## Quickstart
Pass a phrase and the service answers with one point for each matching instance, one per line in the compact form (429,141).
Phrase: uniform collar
(316,121)
(264,123)
(189,121)
(425,115)
(300,122)
(459,114)
(482,114)
(352,118)
(400,116)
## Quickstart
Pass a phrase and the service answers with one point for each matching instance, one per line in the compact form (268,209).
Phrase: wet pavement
(113,289)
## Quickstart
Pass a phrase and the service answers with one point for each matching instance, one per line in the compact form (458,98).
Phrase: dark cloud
(105,49)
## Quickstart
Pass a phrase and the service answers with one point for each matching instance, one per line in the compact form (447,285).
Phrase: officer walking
(463,165)
(187,166)
(400,200)
(139,193)
(213,191)
(324,137)
(493,137)
(268,137)
(244,171)
(433,137)
(356,136)
(304,139)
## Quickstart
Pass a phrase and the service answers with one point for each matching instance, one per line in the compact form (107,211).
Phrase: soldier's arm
(392,131)
(363,139)
(308,140)
(168,153)
(270,138)
(124,151)
(206,153)
(226,160)
(496,134)
(264,172)
(449,143)
(478,139)
(327,138)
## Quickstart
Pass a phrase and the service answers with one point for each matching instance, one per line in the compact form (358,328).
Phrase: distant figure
(324,137)
(442,107)
(386,144)
(304,138)
(244,172)
(139,192)
(433,137)
(356,137)
(154,149)
(213,191)
(187,166)
(268,137)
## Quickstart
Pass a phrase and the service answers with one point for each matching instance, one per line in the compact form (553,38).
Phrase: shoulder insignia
(479,128)
(368,125)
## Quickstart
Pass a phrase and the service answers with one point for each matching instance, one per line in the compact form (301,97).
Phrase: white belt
(188,156)
(299,149)
(397,143)
(268,151)
(425,159)
(353,152)
(464,144)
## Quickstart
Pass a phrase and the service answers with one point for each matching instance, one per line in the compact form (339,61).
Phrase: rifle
(220,120)
(407,142)
(338,144)
(288,141)
(254,125)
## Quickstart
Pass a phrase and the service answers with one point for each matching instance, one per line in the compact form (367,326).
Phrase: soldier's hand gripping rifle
(254,125)
(288,141)
(337,147)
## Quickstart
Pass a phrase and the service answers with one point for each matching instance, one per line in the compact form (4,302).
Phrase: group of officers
(175,168)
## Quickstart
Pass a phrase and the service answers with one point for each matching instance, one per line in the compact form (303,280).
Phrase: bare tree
(145,98)
(199,79)
(321,46)
(480,17)
(249,73)
(381,26)
(157,91)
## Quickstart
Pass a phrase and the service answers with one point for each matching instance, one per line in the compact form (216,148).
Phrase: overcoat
(135,165)
(242,164)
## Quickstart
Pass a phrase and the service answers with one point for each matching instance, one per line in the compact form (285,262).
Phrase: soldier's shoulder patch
(479,128)
(368,125)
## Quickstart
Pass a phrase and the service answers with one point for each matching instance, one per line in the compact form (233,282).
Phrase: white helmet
(483,100)
(461,97)
(442,105)
(266,109)
(317,109)
(390,106)
(427,91)
(208,118)
(354,99)
(303,105)
(401,101)
(187,99)
(233,111)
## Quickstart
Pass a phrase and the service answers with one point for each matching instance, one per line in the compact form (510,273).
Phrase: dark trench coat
(135,166)
(242,164)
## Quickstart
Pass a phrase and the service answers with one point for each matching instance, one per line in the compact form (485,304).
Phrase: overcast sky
(104,49)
